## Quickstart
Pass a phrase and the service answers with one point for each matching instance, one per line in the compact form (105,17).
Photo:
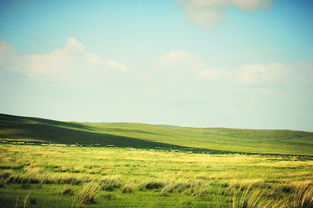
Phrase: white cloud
(7,56)
(186,66)
(260,73)
(114,64)
(44,64)
(178,59)
(213,73)
(251,5)
(298,72)
(6,51)
(74,45)
(207,13)
(72,58)
(302,71)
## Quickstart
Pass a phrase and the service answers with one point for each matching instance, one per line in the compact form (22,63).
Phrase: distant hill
(158,136)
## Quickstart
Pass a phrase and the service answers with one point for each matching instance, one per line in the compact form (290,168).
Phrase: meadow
(50,175)
(137,135)
(47,163)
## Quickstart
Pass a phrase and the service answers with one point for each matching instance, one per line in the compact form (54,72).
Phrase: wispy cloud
(75,61)
(211,73)
(113,64)
(299,72)
(260,73)
(206,13)
(178,59)
(181,62)
(72,58)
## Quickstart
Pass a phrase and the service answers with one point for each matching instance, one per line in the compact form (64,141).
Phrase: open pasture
(56,176)
(212,140)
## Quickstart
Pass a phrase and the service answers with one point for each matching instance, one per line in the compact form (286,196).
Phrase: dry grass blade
(87,194)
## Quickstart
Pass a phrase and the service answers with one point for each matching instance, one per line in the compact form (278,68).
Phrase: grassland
(56,176)
(46,163)
(213,140)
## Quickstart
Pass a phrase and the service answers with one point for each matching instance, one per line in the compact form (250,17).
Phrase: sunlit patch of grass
(146,178)
(87,194)
(127,189)
(254,195)
(110,183)
(303,196)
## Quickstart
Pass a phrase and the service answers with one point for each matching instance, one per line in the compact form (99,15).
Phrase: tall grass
(24,202)
(143,178)
(87,194)
(110,183)
(303,196)
(251,197)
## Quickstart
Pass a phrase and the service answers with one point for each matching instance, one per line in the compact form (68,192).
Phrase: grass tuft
(109,197)
(151,185)
(6,174)
(127,189)
(303,198)
(87,194)
(110,183)
(67,191)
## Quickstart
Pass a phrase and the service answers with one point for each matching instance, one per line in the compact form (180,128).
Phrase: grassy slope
(149,136)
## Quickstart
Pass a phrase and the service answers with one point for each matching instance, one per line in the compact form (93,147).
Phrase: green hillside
(158,136)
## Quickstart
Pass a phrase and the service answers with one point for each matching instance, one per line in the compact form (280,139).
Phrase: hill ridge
(125,134)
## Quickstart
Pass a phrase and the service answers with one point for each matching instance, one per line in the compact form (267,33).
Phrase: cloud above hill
(181,62)
(299,72)
(73,57)
(206,13)
(178,58)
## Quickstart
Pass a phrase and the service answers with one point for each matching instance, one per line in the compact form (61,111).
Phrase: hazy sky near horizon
(201,63)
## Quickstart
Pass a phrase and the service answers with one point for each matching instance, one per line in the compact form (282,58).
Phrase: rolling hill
(158,136)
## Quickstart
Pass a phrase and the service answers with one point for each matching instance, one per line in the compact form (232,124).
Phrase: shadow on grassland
(17,127)
(10,119)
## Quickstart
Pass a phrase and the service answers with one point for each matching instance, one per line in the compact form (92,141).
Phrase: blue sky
(202,63)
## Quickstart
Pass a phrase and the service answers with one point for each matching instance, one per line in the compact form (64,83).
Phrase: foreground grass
(156,136)
(51,176)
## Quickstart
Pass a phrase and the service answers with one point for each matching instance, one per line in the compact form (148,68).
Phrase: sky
(198,63)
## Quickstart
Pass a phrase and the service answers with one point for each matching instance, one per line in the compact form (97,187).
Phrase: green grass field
(157,136)
(45,163)
(53,176)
